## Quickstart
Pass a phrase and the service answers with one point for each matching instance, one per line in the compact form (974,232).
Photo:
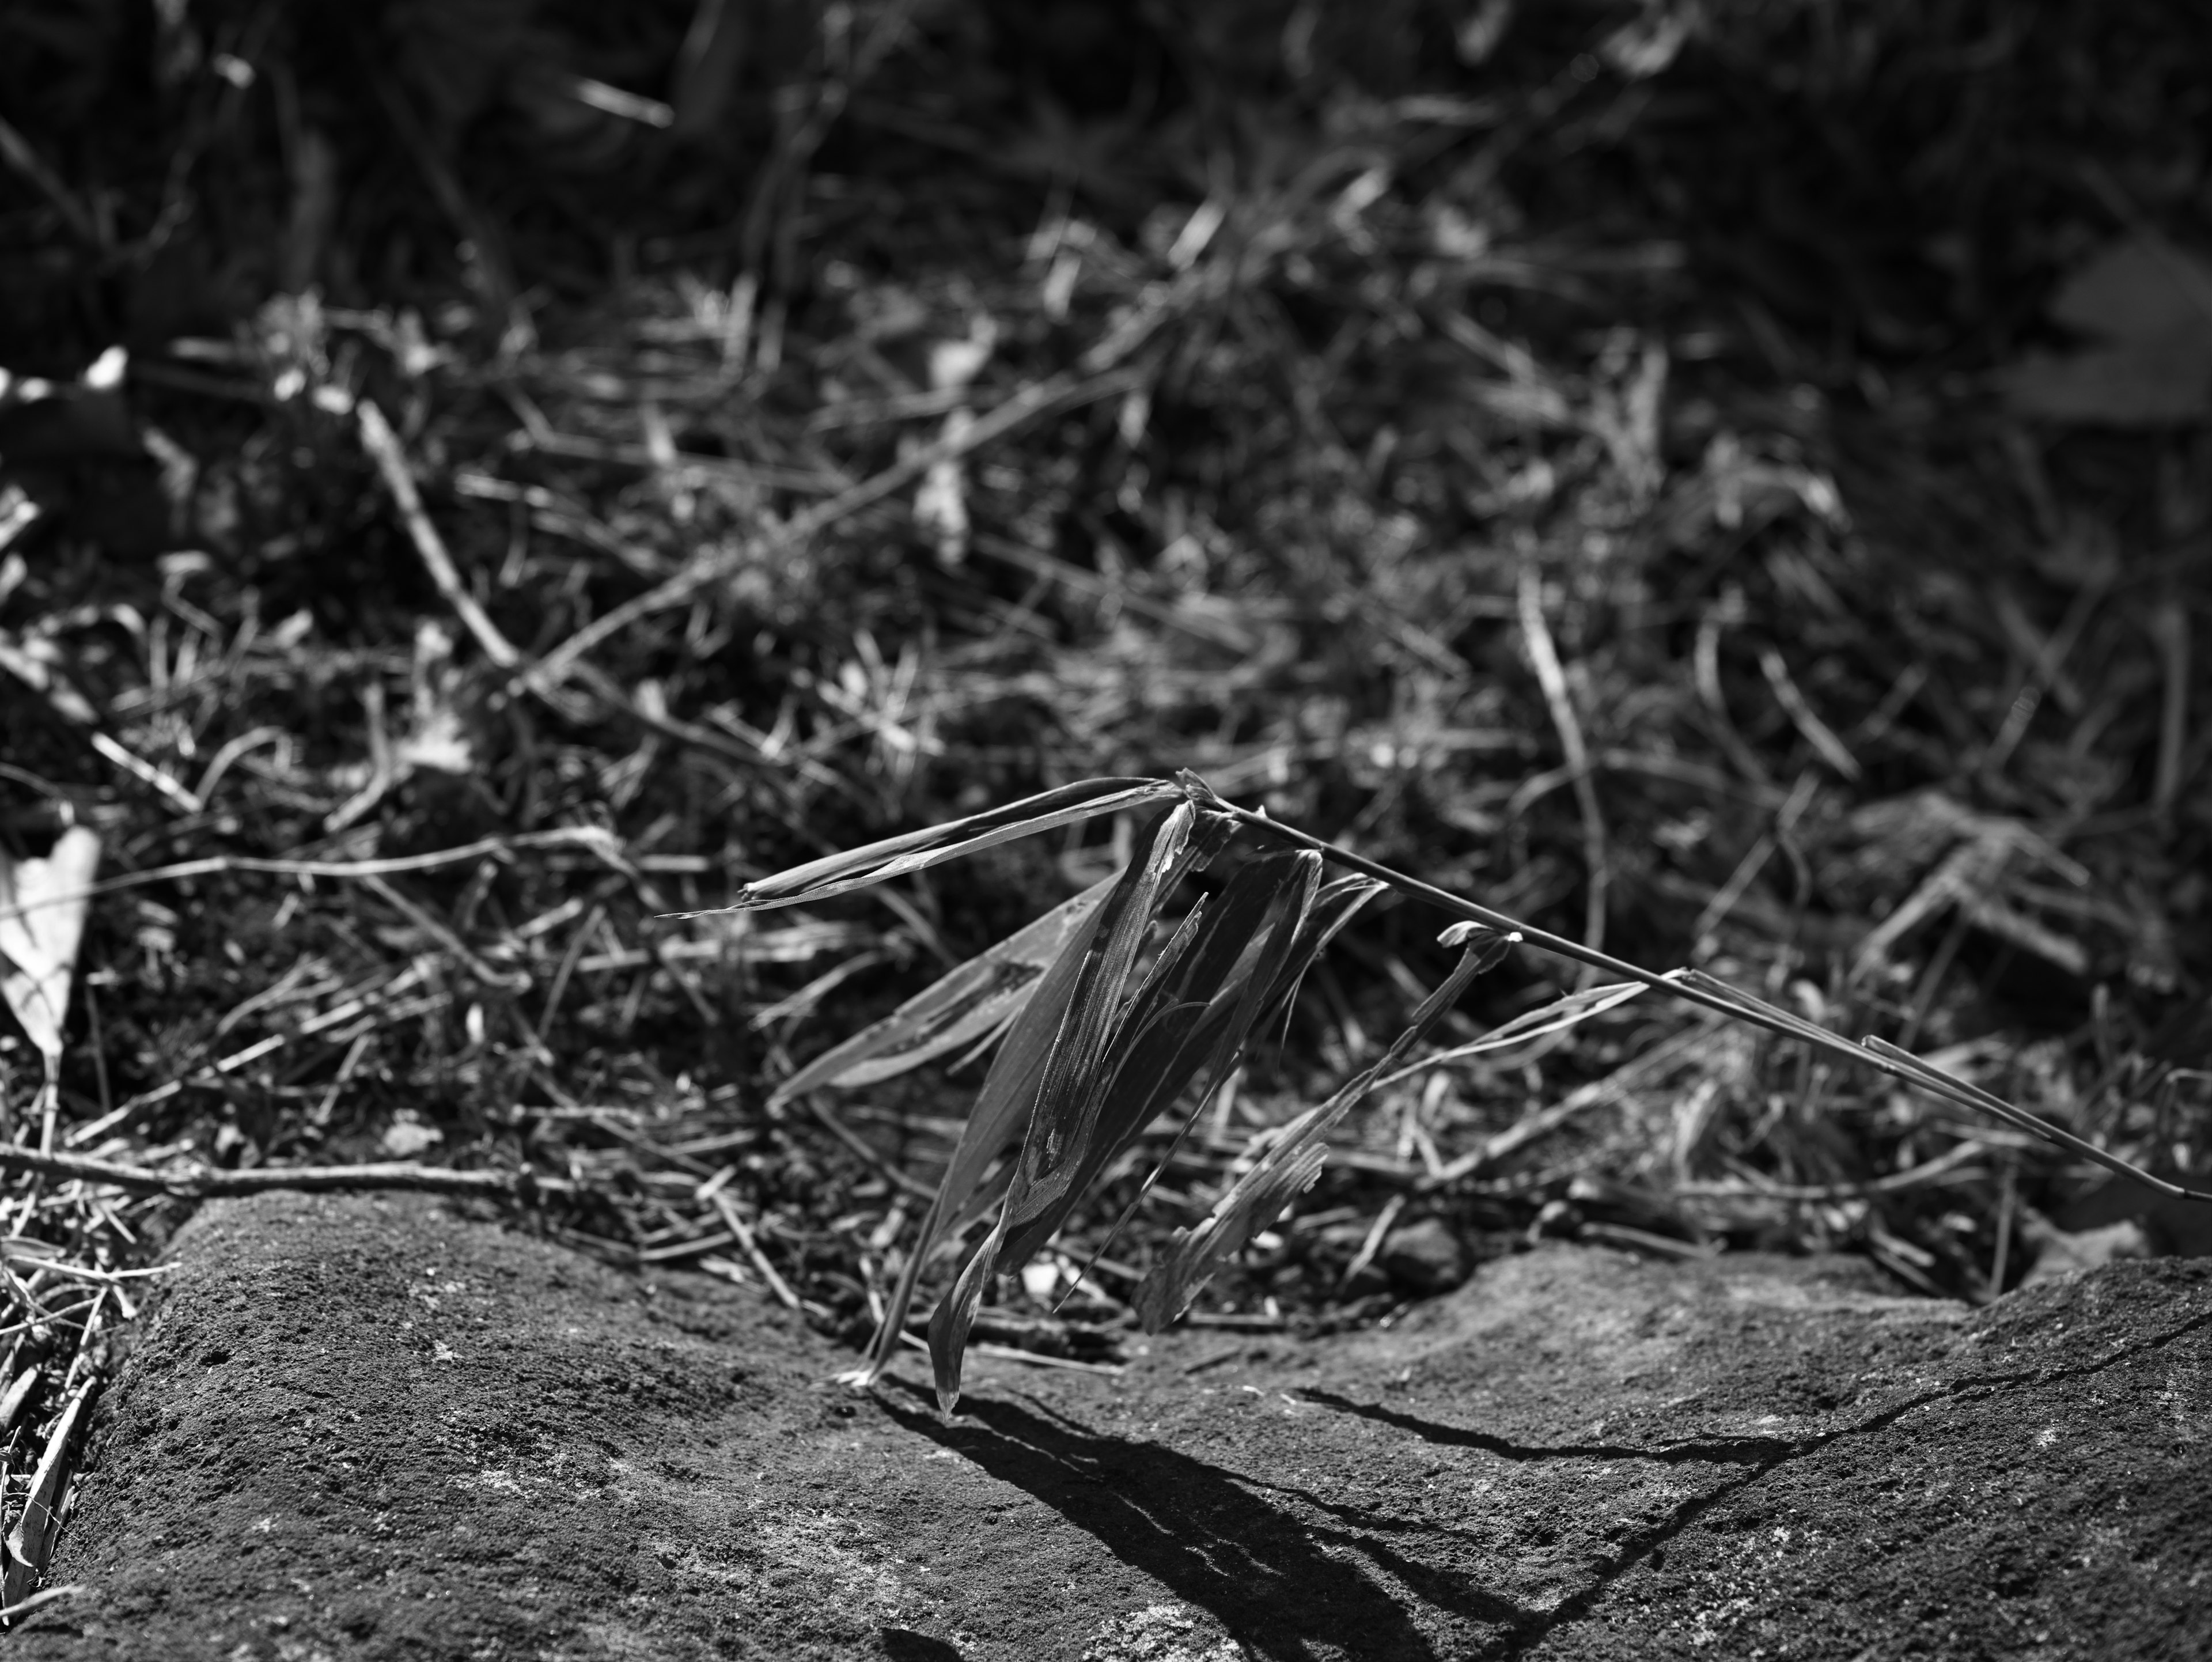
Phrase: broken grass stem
(1711,994)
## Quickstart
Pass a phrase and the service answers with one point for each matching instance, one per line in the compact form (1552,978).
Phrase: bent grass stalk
(1092,1053)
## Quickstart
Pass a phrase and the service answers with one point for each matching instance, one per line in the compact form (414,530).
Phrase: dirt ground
(378,1427)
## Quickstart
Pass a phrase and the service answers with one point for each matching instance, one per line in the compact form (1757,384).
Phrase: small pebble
(1427,1255)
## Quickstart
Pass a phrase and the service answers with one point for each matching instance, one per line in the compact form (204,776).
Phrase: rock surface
(374,1427)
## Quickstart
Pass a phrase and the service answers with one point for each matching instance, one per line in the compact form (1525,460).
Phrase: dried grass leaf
(1073,1087)
(1069,1087)
(1001,1110)
(1561,1013)
(1007,1106)
(1295,1155)
(973,1004)
(1189,1024)
(896,856)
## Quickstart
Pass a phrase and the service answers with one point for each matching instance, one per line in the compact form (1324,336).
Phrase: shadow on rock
(905,1645)
(1761,1451)
(1285,1587)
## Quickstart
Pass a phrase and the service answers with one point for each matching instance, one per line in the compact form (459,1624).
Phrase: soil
(358,1427)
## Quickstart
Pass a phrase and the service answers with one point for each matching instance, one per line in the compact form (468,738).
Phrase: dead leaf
(1481,29)
(1648,44)
(42,910)
(29,1542)
(2149,306)
(407,1136)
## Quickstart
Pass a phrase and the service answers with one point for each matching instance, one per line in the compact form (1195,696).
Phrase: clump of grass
(1101,1037)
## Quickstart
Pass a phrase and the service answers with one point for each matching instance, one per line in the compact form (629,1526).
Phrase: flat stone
(368,1427)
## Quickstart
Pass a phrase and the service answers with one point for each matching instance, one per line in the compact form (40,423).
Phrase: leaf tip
(1483,947)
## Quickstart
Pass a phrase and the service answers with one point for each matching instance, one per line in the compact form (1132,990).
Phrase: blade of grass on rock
(1003,1106)
(973,1003)
(1001,1110)
(1065,1109)
(1295,1156)
(1322,916)
(895,857)
(1192,1022)
(1559,1015)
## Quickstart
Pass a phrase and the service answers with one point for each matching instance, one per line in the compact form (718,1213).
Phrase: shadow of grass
(1285,1587)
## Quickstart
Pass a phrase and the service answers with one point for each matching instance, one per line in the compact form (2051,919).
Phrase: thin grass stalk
(1707,993)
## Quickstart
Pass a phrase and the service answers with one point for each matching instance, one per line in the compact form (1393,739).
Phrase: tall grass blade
(972,1004)
(1186,1024)
(1556,1017)
(1324,915)
(1067,1101)
(1903,1064)
(1064,1106)
(896,856)
(1001,1110)
(1295,1157)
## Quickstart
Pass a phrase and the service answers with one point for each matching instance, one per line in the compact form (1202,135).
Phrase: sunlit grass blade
(1928,1077)
(1902,1064)
(896,856)
(1294,1157)
(1555,1017)
(1187,1025)
(1068,1091)
(954,1318)
(973,1002)
(1333,907)
(1075,1078)
(1323,916)
(1001,1110)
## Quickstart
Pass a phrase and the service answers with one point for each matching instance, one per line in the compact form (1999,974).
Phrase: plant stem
(1717,997)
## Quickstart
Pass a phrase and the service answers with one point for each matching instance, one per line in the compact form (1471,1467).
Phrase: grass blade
(1075,1080)
(1903,1064)
(1193,1024)
(1327,914)
(896,856)
(1557,1016)
(1069,1087)
(979,999)
(1001,1110)
(1296,1156)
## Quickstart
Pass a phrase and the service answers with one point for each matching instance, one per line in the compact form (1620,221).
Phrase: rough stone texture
(372,1428)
